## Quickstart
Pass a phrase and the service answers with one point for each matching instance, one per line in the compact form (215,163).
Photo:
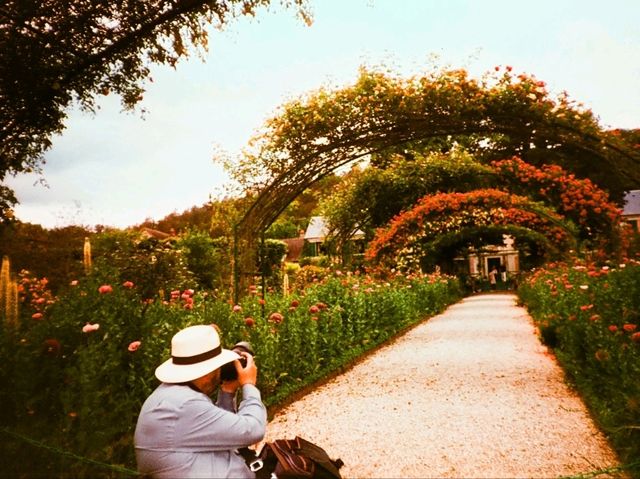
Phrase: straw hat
(195,351)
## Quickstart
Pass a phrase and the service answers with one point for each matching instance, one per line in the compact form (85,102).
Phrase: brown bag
(294,458)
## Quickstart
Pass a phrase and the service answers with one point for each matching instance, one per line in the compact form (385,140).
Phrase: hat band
(198,358)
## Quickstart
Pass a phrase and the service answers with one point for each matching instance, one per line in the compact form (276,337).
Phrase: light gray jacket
(181,433)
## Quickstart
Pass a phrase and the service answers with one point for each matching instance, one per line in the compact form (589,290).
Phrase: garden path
(468,393)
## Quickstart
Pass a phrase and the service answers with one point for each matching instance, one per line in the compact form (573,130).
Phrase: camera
(228,371)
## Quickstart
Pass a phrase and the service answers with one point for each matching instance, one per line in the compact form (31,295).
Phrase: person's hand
(248,374)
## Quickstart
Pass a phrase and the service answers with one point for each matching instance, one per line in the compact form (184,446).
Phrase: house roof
(151,233)
(631,203)
(317,231)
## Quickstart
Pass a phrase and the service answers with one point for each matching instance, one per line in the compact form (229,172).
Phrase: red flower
(36,316)
(613,328)
(249,321)
(105,288)
(629,328)
(276,318)
(127,284)
(295,303)
(594,317)
(586,307)
(134,345)
(52,346)
(635,337)
(314,309)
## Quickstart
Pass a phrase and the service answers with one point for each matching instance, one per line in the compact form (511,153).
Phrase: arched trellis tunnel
(380,114)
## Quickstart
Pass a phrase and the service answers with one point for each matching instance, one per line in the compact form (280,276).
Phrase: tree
(57,52)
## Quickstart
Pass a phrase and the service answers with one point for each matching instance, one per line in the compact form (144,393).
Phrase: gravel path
(469,393)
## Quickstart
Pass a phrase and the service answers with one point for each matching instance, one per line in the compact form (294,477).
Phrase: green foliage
(497,116)
(590,316)
(50,59)
(369,198)
(76,378)
(206,258)
(283,228)
(272,253)
(154,265)
(55,254)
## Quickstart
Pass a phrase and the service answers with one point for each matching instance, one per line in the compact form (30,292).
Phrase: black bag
(294,458)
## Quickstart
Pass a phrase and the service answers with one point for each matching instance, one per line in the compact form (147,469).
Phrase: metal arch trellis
(352,143)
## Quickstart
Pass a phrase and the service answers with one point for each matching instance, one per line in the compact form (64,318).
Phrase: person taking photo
(180,432)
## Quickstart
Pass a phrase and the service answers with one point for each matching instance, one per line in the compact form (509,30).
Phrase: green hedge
(81,392)
(590,316)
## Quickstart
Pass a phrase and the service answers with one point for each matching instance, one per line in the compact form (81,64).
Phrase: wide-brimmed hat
(195,351)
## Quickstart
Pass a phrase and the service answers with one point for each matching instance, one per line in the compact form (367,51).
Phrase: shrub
(590,315)
(78,376)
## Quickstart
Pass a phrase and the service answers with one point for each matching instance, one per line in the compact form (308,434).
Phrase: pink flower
(105,288)
(127,284)
(276,318)
(74,282)
(134,345)
(190,292)
(36,316)
(88,328)
(237,308)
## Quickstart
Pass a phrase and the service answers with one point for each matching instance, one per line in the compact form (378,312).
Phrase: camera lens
(228,371)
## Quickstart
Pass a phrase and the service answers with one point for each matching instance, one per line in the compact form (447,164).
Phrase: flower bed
(590,316)
(77,371)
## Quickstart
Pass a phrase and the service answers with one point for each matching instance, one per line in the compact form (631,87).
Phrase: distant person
(503,275)
(493,274)
(180,431)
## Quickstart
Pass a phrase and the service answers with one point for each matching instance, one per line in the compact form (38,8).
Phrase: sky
(119,168)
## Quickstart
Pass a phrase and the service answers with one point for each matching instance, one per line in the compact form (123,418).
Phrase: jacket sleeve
(203,426)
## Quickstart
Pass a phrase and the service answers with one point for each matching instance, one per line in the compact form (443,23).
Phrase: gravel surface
(469,393)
